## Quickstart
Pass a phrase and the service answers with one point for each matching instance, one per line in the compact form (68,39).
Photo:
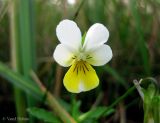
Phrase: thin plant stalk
(51,100)
(58,82)
(15,61)
(25,85)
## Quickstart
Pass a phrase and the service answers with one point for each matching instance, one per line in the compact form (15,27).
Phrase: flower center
(81,56)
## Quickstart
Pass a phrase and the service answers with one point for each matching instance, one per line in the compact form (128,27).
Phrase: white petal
(69,34)
(100,55)
(97,35)
(63,55)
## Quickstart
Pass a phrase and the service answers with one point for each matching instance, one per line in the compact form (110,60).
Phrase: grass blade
(20,81)
(142,43)
(27,42)
(15,60)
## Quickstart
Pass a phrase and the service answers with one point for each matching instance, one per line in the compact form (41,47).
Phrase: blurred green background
(28,39)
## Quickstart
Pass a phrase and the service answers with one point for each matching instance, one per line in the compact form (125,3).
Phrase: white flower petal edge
(69,34)
(63,55)
(97,35)
(100,55)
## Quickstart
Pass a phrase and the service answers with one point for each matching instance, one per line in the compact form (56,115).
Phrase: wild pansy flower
(80,55)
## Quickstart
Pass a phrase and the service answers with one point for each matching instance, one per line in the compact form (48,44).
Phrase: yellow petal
(80,77)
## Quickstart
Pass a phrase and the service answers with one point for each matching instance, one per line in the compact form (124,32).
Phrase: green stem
(78,10)
(51,100)
(27,42)
(15,59)
(130,90)
(25,84)
(20,104)
(66,118)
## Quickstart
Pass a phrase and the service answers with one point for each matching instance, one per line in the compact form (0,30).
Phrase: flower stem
(122,97)
(52,102)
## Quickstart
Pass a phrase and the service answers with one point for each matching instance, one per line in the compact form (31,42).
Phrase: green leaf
(27,42)
(96,113)
(43,115)
(156,108)
(20,81)
(83,38)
